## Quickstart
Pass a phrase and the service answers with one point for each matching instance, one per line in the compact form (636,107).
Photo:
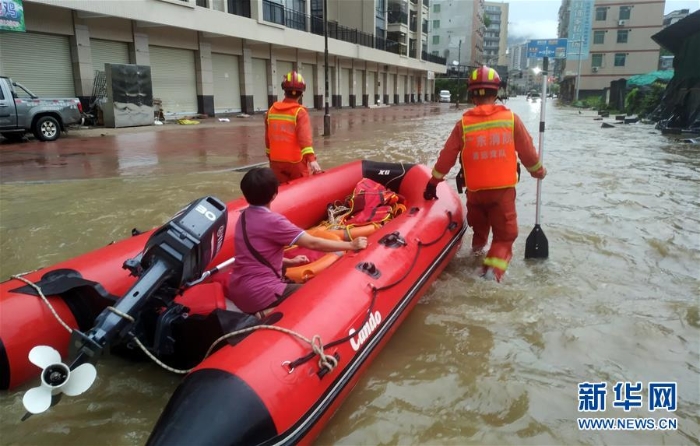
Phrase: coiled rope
(328,362)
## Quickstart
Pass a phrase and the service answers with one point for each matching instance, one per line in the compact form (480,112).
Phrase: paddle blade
(37,400)
(43,356)
(80,379)
(536,246)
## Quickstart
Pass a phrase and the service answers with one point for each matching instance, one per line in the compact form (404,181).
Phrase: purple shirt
(252,285)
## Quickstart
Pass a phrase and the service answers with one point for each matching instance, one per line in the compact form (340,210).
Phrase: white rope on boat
(46,301)
(325,361)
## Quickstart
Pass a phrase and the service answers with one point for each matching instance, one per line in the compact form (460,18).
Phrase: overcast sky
(538,19)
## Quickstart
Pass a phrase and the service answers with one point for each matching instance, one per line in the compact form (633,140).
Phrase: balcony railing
(397,17)
(425,27)
(277,13)
(424,55)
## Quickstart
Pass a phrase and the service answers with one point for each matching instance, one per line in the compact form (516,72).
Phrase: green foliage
(458,88)
(487,21)
(594,102)
(642,102)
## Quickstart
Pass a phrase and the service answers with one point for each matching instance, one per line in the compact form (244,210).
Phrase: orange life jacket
(488,156)
(282,132)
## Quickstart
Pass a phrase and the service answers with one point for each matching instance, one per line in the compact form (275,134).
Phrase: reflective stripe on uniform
(282,117)
(502,123)
(437,175)
(307,151)
(496,263)
(535,168)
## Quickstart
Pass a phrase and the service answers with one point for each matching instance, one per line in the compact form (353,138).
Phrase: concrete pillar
(353,86)
(385,90)
(139,53)
(274,83)
(319,83)
(365,92)
(395,93)
(245,76)
(81,57)
(336,79)
(205,79)
(412,87)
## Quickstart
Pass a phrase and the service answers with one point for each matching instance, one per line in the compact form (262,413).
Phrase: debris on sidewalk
(243,115)
(187,122)
(224,120)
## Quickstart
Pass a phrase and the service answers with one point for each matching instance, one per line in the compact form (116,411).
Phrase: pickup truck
(21,111)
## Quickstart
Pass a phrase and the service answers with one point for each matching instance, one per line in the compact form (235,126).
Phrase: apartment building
(457,31)
(496,34)
(215,56)
(613,37)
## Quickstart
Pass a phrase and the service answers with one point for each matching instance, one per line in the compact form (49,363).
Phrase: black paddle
(536,245)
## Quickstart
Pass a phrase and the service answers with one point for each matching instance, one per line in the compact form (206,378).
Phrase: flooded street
(476,362)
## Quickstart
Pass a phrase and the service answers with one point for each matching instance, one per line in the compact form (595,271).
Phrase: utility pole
(578,71)
(327,115)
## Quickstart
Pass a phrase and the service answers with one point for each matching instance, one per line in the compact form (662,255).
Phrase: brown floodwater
(476,362)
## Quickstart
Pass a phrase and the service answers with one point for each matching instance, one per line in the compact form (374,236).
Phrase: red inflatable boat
(275,381)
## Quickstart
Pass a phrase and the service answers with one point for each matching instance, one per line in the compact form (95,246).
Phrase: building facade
(216,56)
(619,42)
(496,34)
(457,31)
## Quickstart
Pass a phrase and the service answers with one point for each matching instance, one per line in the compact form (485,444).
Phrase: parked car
(445,96)
(22,111)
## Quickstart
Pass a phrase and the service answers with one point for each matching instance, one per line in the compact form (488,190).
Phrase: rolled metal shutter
(402,88)
(227,88)
(40,62)
(345,86)
(260,84)
(283,67)
(174,79)
(106,51)
(308,73)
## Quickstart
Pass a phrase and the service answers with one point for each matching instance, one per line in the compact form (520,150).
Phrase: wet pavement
(475,362)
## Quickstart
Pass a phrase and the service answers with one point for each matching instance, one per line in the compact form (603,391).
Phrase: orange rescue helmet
(293,82)
(483,78)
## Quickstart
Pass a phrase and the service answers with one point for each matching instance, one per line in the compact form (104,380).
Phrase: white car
(445,95)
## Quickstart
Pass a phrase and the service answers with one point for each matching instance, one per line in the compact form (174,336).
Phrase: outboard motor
(176,253)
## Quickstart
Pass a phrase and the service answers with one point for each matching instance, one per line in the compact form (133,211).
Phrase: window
(435,53)
(597,60)
(622,35)
(599,37)
(625,12)
(601,14)
(436,7)
(436,40)
(436,24)
(2,95)
(620,59)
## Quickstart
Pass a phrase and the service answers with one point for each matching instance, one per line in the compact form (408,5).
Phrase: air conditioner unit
(621,22)
(595,69)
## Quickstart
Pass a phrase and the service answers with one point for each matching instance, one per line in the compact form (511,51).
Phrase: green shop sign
(11,15)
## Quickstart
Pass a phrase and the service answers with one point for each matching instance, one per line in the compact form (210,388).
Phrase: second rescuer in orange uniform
(288,141)
(488,140)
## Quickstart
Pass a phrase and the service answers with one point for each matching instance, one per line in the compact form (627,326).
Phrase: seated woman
(256,284)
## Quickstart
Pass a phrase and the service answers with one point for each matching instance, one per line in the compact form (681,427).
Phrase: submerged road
(476,362)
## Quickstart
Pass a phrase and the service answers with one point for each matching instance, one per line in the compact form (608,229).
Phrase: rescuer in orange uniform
(288,141)
(488,140)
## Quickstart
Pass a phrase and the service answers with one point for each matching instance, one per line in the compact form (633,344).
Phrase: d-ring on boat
(249,381)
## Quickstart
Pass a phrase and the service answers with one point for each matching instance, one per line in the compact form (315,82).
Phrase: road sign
(539,48)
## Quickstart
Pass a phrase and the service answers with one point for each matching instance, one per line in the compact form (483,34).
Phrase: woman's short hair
(259,186)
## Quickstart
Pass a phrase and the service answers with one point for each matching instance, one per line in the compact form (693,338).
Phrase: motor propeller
(56,378)
(175,254)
